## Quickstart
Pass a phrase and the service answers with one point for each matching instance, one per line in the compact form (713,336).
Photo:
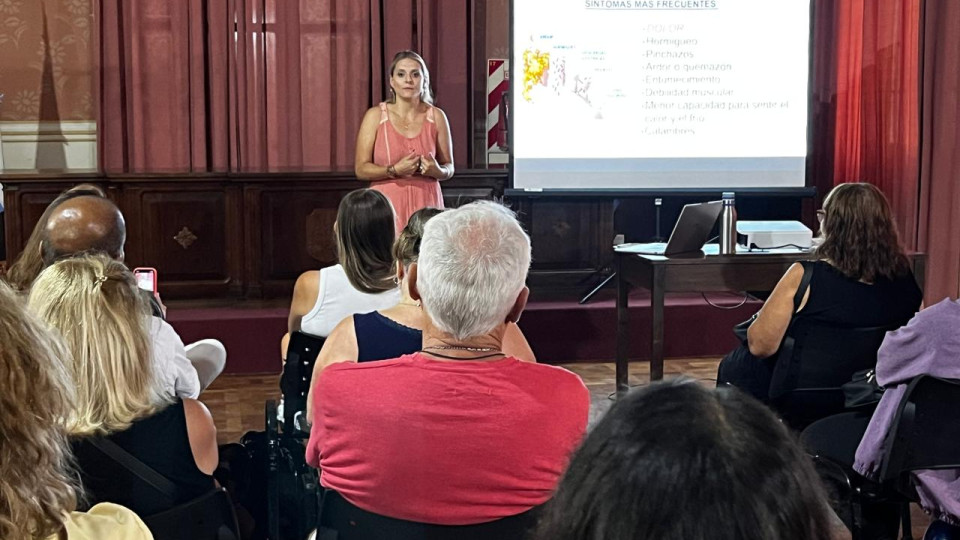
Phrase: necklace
(461,348)
(402,123)
(493,352)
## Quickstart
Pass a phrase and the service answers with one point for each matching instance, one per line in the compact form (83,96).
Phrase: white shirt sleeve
(170,358)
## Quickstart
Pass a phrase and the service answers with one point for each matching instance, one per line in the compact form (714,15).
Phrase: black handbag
(862,390)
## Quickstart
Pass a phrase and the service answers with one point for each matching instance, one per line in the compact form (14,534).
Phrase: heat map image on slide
(558,73)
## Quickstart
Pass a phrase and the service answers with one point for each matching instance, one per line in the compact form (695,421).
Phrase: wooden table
(661,275)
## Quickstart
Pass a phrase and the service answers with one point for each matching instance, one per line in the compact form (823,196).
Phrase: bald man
(94,224)
(85,223)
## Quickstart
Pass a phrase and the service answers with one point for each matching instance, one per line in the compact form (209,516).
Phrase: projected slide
(659,93)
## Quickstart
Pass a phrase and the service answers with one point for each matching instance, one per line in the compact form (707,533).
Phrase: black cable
(711,304)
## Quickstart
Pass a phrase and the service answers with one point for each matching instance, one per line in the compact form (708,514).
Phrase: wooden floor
(236,402)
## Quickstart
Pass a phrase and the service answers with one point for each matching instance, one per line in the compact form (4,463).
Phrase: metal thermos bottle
(728,225)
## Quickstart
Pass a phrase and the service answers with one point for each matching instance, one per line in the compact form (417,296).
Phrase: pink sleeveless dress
(411,193)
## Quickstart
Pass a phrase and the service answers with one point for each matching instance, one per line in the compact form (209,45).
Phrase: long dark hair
(677,461)
(365,233)
(859,235)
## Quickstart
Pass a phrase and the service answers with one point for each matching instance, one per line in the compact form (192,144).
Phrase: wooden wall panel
(296,234)
(251,235)
(23,209)
(190,233)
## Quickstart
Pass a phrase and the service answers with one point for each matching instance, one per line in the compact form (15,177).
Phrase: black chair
(208,517)
(812,364)
(302,352)
(341,520)
(925,435)
(292,485)
(926,432)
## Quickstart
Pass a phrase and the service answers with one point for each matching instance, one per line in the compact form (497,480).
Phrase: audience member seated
(861,279)
(395,331)
(362,280)
(94,303)
(458,433)
(37,482)
(927,345)
(676,461)
(90,223)
(29,262)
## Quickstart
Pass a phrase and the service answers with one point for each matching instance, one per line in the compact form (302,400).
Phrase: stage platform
(559,329)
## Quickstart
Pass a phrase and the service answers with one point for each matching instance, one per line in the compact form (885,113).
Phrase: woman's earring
(396,281)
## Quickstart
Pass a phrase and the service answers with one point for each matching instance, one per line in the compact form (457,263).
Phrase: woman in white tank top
(363,279)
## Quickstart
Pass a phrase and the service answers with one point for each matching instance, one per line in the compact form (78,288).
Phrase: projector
(774,234)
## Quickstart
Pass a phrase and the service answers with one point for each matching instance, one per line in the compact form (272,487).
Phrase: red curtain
(939,192)
(163,87)
(256,85)
(878,102)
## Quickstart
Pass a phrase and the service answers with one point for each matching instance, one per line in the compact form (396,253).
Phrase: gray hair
(473,265)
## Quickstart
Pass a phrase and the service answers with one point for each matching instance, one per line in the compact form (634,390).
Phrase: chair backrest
(815,355)
(803,406)
(208,517)
(302,352)
(342,520)
(812,364)
(926,429)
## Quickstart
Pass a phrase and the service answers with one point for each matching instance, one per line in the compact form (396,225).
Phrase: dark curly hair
(859,235)
(678,461)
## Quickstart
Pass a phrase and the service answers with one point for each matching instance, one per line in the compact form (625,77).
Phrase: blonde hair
(38,484)
(94,302)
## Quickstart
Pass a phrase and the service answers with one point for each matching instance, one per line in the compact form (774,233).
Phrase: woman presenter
(404,147)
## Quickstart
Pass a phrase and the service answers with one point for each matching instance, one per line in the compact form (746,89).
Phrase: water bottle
(728,225)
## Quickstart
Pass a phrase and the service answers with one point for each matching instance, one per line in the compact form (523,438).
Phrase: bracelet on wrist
(391,171)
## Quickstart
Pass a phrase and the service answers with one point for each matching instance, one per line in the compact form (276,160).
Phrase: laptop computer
(689,234)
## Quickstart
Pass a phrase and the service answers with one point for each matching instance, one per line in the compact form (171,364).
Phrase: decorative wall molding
(48,146)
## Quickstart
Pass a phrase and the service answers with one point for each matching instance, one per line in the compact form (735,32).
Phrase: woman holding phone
(404,147)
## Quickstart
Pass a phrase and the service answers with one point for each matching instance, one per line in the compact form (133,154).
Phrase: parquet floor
(236,402)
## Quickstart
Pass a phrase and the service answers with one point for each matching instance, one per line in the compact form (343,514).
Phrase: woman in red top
(404,147)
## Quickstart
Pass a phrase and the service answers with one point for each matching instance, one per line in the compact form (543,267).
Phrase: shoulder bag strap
(140,469)
(804,284)
(786,369)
